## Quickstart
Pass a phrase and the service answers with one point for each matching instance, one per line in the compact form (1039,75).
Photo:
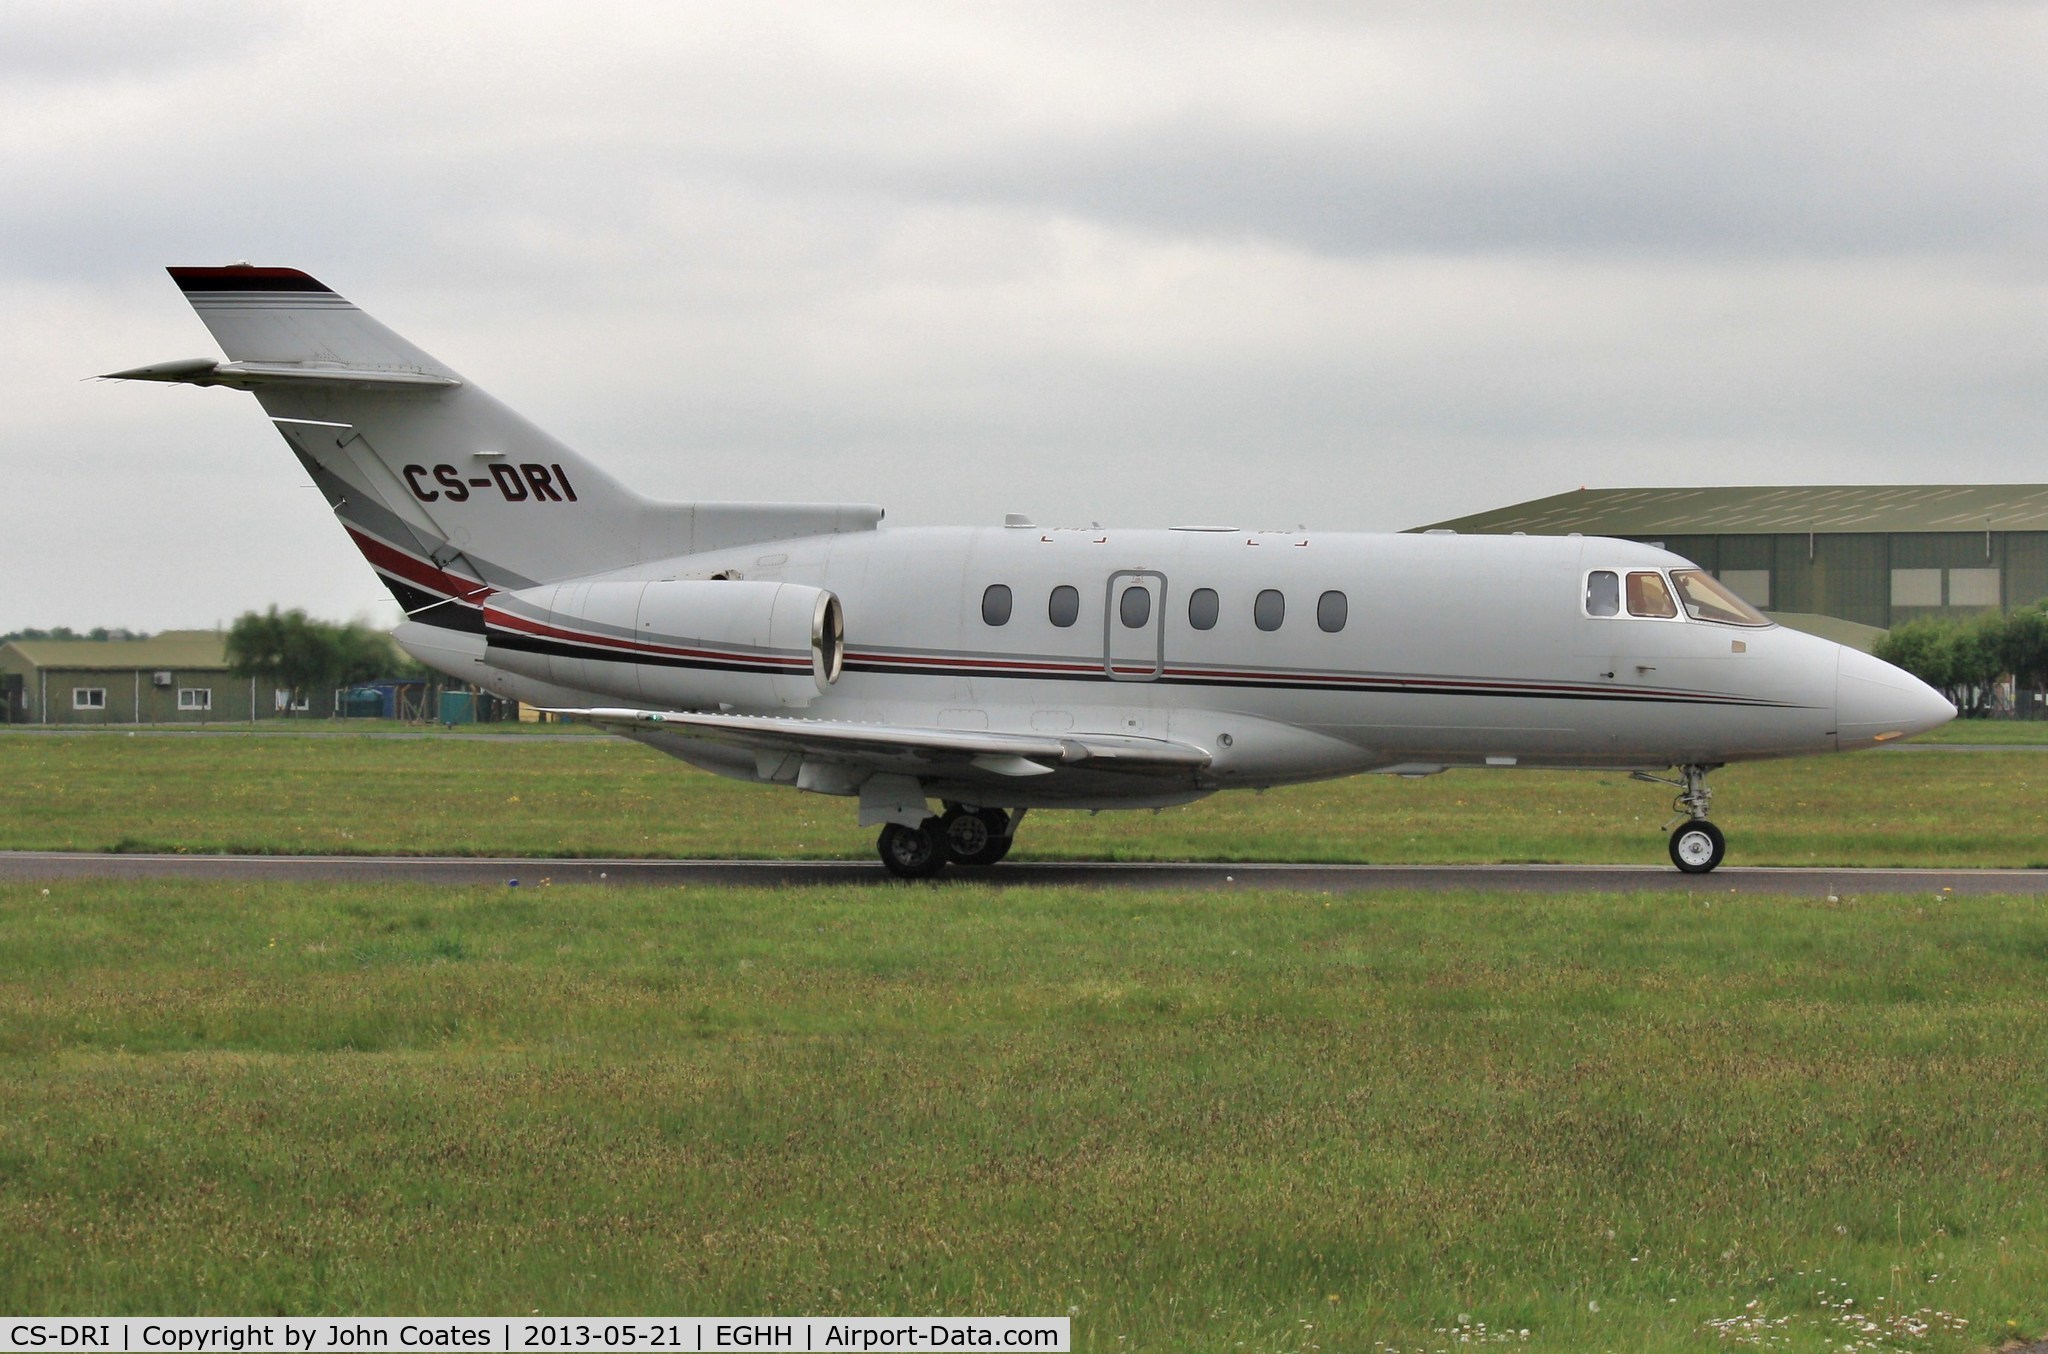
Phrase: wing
(899,749)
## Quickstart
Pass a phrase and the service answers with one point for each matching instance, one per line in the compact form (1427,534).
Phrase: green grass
(608,797)
(1981,731)
(1261,1122)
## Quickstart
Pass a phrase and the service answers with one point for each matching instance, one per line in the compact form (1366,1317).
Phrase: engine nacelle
(678,644)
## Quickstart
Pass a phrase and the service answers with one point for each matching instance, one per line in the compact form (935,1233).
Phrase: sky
(1355,266)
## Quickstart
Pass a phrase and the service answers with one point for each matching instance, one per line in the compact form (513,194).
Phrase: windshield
(1707,598)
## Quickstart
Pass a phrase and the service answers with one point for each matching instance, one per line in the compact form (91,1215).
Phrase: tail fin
(449,494)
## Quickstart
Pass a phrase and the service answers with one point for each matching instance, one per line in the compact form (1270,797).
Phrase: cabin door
(1134,626)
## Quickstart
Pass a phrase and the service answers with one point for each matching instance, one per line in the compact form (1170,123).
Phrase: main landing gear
(1696,844)
(961,836)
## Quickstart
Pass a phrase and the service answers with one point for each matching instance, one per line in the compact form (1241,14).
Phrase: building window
(195,698)
(283,701)
(88,698)
(1063,608)
(1751,585)
(1202,608)
(1973,587)
(1916,587)
(1269,608)
(995,605)
(1136,606)
(1331,610)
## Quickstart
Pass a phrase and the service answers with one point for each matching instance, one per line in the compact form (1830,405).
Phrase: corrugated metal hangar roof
(186,649)
(1789,508)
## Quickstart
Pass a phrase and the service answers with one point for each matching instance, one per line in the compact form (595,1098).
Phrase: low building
(1875,555)
(177,677)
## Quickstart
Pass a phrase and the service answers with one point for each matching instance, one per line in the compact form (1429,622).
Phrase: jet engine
(674,644)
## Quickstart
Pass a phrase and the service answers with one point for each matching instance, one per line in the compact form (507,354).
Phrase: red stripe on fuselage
(418,571)
(505,620)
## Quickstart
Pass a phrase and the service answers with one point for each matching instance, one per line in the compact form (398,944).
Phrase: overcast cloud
(1357,266)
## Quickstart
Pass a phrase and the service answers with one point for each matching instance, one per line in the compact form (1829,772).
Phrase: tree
(1962,659)
(301,655)
(2023,647)
(1975,663)
(66,632)
(1921,648)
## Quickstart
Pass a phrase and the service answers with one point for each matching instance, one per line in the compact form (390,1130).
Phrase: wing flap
(1011,754)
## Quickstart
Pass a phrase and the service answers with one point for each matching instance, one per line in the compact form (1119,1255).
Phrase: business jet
(1001,669)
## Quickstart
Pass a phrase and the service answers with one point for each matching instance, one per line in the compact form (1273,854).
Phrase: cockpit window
(1649,596)
(1707,598)
(1603,593)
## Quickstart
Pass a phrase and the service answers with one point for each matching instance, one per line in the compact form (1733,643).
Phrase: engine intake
(677,644)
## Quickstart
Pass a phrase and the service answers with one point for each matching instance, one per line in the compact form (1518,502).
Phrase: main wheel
(975,836)
(912,852)
(1697,846)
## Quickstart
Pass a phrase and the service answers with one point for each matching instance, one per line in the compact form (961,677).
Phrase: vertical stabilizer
(450,495)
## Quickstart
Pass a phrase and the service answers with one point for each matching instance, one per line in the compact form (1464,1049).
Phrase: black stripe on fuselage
(508,639)
(1341,685)
(428,609)
(556,648)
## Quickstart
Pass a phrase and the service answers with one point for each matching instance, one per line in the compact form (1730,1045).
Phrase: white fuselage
(1450,651)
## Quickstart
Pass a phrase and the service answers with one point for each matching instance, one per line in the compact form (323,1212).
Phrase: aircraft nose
(1876,702)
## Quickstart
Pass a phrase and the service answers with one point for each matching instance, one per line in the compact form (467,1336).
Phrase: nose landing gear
(1697,846)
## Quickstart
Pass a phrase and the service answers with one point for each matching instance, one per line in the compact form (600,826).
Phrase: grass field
(1259,1122)
(606,797)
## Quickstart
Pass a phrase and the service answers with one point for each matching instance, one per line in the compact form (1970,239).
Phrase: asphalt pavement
(509,873)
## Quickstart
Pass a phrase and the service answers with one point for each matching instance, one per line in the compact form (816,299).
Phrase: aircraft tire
(912,852)
(975,837)
(1697,846)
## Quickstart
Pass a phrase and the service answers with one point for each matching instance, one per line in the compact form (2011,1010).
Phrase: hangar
(1873,555)
(177,677)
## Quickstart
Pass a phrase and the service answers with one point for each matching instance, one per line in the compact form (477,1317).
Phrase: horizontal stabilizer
(200,371)
(882,744)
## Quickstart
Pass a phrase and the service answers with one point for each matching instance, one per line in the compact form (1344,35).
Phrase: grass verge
(1268,1122)
(608,797)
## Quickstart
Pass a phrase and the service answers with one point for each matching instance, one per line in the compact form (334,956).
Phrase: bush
(1964,659)
(303,655)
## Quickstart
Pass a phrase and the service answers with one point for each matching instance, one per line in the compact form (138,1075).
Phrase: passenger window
(1202,608)
(1603,593)
(1649,596)
(1331,610)
(1063,608)
(1136,606)
(1269,609)
(995,605)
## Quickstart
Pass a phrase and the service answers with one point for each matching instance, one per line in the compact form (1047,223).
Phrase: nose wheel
(1697,846)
